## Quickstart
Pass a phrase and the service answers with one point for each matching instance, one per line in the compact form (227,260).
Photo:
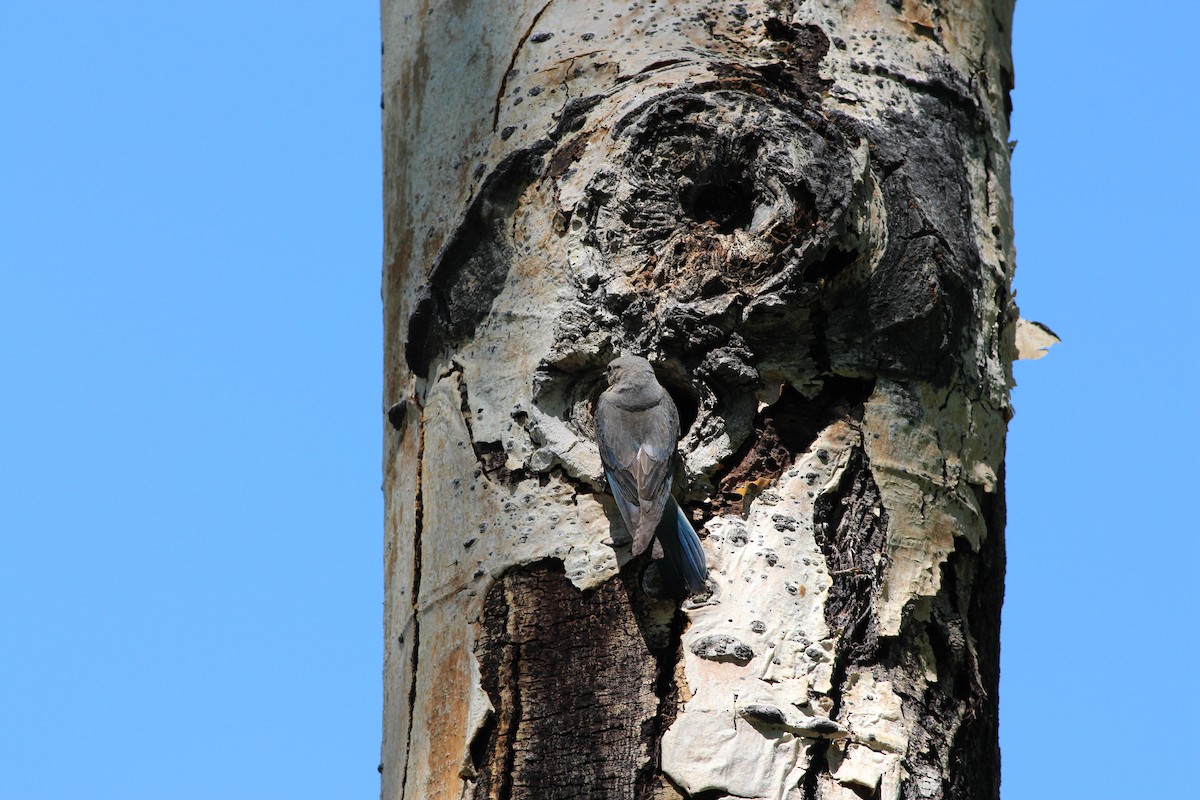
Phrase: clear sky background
(190,411)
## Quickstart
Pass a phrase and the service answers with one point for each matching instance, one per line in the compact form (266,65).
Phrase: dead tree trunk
(799,211)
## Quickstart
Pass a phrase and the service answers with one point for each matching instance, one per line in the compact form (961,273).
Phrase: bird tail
(681,546)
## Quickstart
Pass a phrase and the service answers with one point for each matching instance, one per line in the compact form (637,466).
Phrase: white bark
(801,212)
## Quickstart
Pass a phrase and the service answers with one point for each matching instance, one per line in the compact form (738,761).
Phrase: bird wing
(681,548)
(638,452)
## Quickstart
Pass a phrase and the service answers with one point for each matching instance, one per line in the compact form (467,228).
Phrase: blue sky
(1101,617)
(190,420)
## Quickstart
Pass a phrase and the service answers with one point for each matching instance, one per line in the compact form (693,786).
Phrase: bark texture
(799,211)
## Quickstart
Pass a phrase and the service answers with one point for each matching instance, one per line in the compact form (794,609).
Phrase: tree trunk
(799,212)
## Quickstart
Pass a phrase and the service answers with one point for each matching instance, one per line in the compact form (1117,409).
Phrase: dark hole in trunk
(686,401)
(727,204)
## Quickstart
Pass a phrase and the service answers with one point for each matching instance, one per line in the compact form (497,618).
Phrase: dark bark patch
(804,48)
(397,414)
(975,755)
(472,269)
(943,85)
(764,714)
(723,647)
(577,683)
(493,461)
(916,306)
(565,156)
(850,526)
(953,750)
(574,115)
(1007,84)
(783,431)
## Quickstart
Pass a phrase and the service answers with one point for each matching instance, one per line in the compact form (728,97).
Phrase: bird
(637,430)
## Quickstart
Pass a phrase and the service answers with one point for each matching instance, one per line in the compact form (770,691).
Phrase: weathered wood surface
(800,212)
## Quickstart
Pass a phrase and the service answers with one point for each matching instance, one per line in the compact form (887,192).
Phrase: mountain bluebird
(637,427)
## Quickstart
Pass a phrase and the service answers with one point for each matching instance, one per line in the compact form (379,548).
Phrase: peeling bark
(799,212)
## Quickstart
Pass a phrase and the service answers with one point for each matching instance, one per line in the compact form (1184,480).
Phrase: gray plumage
(637,428)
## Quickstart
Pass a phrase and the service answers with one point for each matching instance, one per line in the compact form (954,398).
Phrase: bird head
(626,367)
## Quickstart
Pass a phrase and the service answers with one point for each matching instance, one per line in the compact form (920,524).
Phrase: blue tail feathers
(681,546)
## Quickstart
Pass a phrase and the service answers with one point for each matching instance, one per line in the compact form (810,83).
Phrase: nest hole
(687,402)
(726,204)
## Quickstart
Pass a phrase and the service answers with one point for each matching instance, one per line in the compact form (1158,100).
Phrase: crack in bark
(414,661)
(850,526)
(492,457)
(818,762)
(667,692)
(512,63)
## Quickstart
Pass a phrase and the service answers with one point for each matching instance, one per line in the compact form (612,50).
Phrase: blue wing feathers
(682,548)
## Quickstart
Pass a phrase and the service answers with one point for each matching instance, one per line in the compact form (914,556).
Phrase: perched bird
(637,428)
